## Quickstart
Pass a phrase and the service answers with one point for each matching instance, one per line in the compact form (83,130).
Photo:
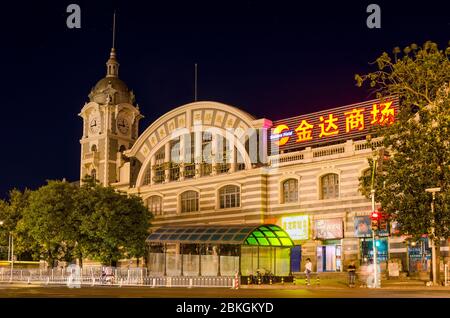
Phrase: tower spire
(112,65)
(114,31)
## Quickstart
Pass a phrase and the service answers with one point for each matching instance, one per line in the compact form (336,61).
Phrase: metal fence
(92,276)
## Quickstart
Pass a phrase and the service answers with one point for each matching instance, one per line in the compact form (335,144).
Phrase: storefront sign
(335,124)
(328,229)
(362,226)
(296,226)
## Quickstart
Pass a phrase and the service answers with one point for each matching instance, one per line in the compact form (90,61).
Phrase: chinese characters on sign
(334,124)
(328,229)
(296,226)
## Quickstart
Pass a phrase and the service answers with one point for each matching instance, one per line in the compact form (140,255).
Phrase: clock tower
(110,126)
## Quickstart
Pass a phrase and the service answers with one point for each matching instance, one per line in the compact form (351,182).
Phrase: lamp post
(433,246)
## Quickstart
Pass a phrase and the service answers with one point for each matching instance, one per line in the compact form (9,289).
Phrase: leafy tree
(418,141)
(113,225)
(11,213)
(50,221)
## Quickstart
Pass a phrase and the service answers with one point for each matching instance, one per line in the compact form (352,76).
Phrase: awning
(257,235)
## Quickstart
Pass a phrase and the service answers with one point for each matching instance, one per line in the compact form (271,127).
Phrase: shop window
(329,186)
(154,204)
(290,191)
(229,196)
(189,201)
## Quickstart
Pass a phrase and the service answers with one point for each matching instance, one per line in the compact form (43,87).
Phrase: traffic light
(375,217)
(383,223)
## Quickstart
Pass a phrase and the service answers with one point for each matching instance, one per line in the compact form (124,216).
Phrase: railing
(205,169)
(91,155)
(119,277)
(363,144)
(189,170)
(348,148)
(328,151)
(174,172)
(222,167)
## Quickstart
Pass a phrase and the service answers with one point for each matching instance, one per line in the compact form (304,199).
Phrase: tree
(50,221)
(113,225)
(418,141)
(11,213)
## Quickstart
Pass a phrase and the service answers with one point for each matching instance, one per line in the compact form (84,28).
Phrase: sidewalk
(340,284)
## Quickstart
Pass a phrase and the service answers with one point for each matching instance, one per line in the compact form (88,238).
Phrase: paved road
(11,291)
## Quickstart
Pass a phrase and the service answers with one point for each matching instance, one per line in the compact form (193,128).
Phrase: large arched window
(329,186)
(229,197)
(290,191)
(189,201)
(154,204)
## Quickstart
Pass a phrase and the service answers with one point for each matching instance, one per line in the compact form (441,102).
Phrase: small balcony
(91,157)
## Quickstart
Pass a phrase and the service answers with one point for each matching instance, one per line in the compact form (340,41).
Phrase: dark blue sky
(273,59)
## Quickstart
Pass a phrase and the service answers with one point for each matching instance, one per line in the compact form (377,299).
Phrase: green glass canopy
(257,235)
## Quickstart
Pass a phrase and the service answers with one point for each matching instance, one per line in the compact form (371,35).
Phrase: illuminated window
(230,197)
(290,191)
(154,204)
(147,175)
(189,201)
(159,176)
(329,186)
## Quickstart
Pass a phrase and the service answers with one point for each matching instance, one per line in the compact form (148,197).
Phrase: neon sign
(339,123)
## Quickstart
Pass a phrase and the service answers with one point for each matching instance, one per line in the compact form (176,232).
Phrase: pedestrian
(351,274)
(308,270)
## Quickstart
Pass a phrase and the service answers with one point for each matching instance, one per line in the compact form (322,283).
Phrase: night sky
(272,59)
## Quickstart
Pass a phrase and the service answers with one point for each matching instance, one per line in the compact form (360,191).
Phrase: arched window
(189,201)
(290,191)
(229,197)
(329,186)
(154,204)
(94,148)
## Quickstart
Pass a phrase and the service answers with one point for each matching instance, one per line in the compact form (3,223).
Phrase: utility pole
(374,245)
(433,245)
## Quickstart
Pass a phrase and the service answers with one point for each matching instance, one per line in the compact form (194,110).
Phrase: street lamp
(433,246)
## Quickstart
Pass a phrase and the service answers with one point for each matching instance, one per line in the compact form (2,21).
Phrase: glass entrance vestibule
(219,250)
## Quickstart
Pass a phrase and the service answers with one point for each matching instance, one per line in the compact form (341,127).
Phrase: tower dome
(111,89)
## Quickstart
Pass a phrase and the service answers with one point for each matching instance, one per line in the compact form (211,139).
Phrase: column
(214,154)
(167,162)
(182,155)
(233,157)
(152,169)
(198,155)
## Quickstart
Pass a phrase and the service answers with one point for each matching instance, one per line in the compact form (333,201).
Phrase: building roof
(247,234)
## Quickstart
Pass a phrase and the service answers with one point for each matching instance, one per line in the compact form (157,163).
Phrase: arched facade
(233,135)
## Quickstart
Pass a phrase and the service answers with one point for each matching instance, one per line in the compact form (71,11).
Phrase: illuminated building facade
(207,163)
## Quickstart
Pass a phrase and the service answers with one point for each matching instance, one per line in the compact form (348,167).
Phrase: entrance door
(296,256)
(329,258)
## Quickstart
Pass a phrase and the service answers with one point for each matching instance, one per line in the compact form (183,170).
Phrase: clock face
(122,124)
(94,124)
